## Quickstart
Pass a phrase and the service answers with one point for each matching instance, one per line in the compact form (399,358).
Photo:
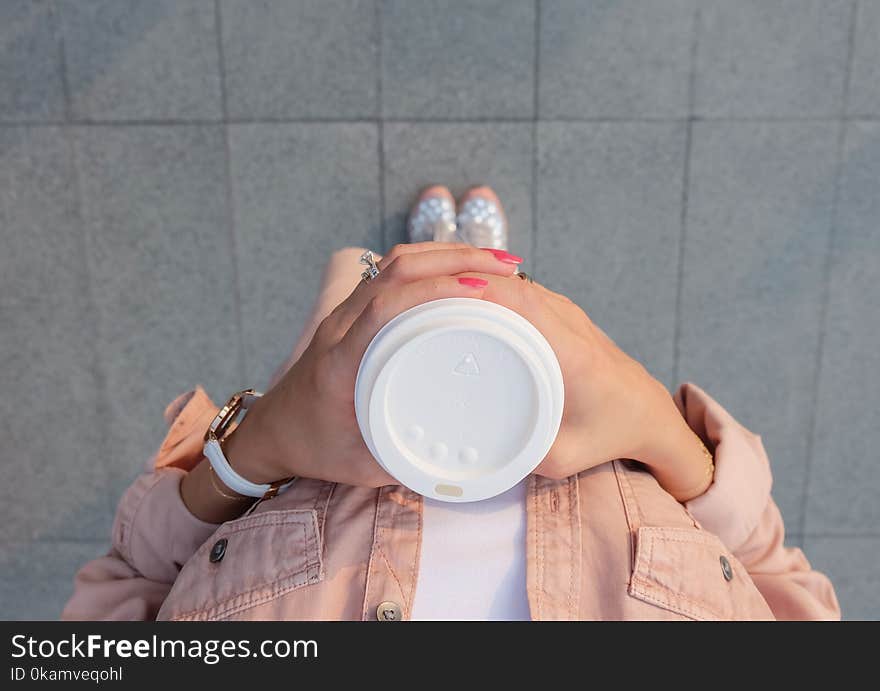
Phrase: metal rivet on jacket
(218,551)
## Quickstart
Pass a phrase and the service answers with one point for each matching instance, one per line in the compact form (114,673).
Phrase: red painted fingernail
(473,281)
(503,256)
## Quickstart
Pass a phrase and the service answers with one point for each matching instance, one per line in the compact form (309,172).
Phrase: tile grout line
(380,127)
(241,362)
(827,266)
(55,14)
(685,198)
(536,103)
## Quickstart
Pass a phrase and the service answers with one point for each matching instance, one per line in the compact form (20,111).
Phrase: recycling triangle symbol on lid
(467,365)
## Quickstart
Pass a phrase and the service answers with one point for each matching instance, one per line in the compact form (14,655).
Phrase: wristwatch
(235,409)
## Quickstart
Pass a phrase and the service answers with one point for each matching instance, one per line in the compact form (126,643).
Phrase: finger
(447,261)
(515,293)
(414,266)
(400,249)
(413,247)
(383,307)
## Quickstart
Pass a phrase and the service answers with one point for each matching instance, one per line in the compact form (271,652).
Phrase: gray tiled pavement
(31,84)
(628,58)
(301,59)
(458,59)
(756,238)
(702,177)
(155,221)
(864,88)
(611,251)
(848,413)
(290,184)
(163,53)
(784,58)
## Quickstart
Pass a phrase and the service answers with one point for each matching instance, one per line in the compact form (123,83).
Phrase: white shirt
(473,559)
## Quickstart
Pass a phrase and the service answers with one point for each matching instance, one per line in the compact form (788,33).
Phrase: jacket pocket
(245,563)
(692,573)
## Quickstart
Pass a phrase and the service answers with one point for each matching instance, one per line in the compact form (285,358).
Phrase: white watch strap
(214,453)
(226,475)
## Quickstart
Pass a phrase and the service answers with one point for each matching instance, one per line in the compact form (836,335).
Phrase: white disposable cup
(459,399)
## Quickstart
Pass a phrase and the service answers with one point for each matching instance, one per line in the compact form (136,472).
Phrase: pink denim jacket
(608,543)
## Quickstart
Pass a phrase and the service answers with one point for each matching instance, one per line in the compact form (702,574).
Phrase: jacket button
(389,611)
(726,568)
(218,551)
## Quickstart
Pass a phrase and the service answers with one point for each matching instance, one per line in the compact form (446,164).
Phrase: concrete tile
(460,156)
(853,565)
(301,191)
(130,60)
(456,59)
(301,59)
(609,223)
(776,58)
(52,460)
(31,86)
(864,86)
(627,59)
(156,220)
(38,576)
(759,215)
(844,482)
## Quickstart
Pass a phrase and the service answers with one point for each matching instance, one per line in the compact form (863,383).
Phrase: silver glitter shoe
(481,220)
(432,217)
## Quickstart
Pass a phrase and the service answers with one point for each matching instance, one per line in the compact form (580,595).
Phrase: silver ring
(372,269)
(526,277)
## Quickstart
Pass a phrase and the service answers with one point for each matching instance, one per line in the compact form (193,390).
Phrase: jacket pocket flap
(264,556)
(692,573)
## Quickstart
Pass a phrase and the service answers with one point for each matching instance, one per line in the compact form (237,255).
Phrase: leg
(341,275)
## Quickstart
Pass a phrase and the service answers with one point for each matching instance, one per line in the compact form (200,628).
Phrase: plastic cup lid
(459,399)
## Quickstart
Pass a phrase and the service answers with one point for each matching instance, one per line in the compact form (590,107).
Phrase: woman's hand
(306,425)
(613,407)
